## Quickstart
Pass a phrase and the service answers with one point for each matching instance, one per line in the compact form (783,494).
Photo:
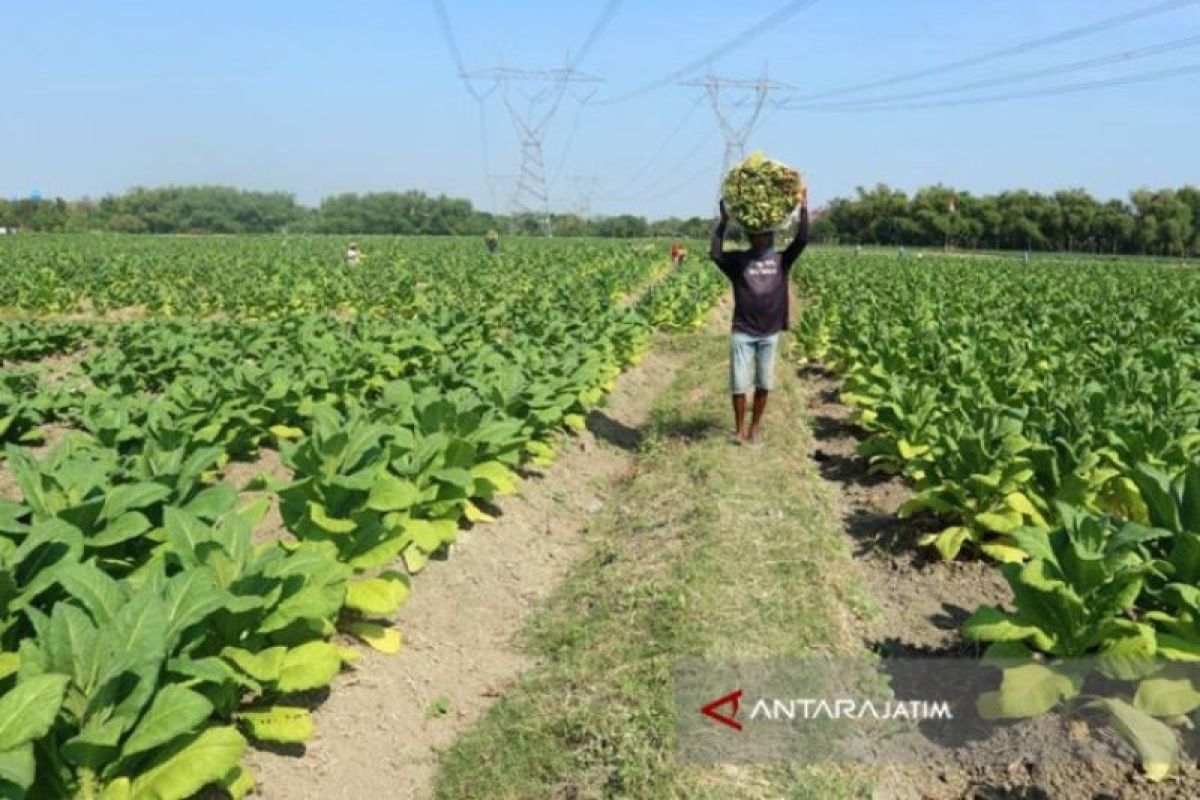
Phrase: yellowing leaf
(1004,551)
(378,597)
(1027,691)
(499,477)
(309,666)
(207,760)
(385,640)
(239,782)
(9,664)
(348,654)
(1155,742)
(1165,697)
(999,522)
(281,724)
(475,514)
(950,541)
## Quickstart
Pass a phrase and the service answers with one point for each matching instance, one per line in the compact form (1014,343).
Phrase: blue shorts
(752,357)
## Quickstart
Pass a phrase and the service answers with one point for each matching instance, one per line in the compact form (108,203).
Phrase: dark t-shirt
(760,282)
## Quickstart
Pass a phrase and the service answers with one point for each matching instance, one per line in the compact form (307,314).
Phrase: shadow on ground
(687,428)
(616,433)
(872,498)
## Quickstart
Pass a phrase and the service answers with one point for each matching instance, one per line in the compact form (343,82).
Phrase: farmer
(353,255)
(676,254)
(760,312)
(492,240)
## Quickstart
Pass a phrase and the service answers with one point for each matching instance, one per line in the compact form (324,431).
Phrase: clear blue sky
(323,97)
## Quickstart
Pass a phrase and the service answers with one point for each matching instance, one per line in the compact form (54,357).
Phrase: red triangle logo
(732,699)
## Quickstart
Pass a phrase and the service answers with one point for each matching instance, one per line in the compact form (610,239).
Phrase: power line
(479,96)
(671,170)
(772,20)
(487,156)
(586,191)
(606,16)
(1129,55)
(531,193)
(705,171)
(736,134)
(1022,47)
(566,152)
(640,172)
(1141,77)
(439,8)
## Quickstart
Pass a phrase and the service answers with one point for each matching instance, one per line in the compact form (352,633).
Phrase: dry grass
(707,550)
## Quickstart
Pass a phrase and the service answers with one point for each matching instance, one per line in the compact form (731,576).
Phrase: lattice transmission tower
(746,94)
(532,98)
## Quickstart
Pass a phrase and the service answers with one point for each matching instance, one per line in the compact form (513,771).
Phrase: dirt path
(707,551)
(918,606)
(921,601)
(378,734)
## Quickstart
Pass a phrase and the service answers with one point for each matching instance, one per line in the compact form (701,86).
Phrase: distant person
(858,249)
(676,255)
(353,254)
(760,312)
(903,253)
(492,240)
(1025,257)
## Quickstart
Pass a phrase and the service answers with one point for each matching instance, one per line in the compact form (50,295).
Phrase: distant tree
(623,226)
(1190,195)
(1078,211)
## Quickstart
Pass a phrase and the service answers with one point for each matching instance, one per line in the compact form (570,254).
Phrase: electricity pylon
(543,92)
(586,186)
(753,93)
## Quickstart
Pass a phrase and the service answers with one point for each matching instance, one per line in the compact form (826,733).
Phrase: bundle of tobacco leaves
(761,193)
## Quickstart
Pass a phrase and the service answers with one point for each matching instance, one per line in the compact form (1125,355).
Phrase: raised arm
(798,244)
(716,249)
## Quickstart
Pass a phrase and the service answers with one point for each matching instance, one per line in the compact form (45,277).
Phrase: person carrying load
(763,194)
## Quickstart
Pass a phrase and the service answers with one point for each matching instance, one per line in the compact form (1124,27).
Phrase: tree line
(1158,222)
(1151,222)
(219,209)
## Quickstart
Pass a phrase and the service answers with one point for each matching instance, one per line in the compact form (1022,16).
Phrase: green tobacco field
(1047,416)
(146,631)
(167,607)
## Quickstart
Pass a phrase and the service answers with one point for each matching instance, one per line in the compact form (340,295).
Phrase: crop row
(1049,416)
(148,624)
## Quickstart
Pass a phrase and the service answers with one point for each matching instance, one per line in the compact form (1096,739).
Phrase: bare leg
(760,405)
(739,414)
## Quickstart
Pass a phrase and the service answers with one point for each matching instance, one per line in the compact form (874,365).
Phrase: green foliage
(1050,416)
(141,611)
(999,390)
(760,193)
(1163,222)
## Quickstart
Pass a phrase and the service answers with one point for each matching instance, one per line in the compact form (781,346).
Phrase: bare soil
(9,490)
(269,464)
(919,604)
(380,730)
